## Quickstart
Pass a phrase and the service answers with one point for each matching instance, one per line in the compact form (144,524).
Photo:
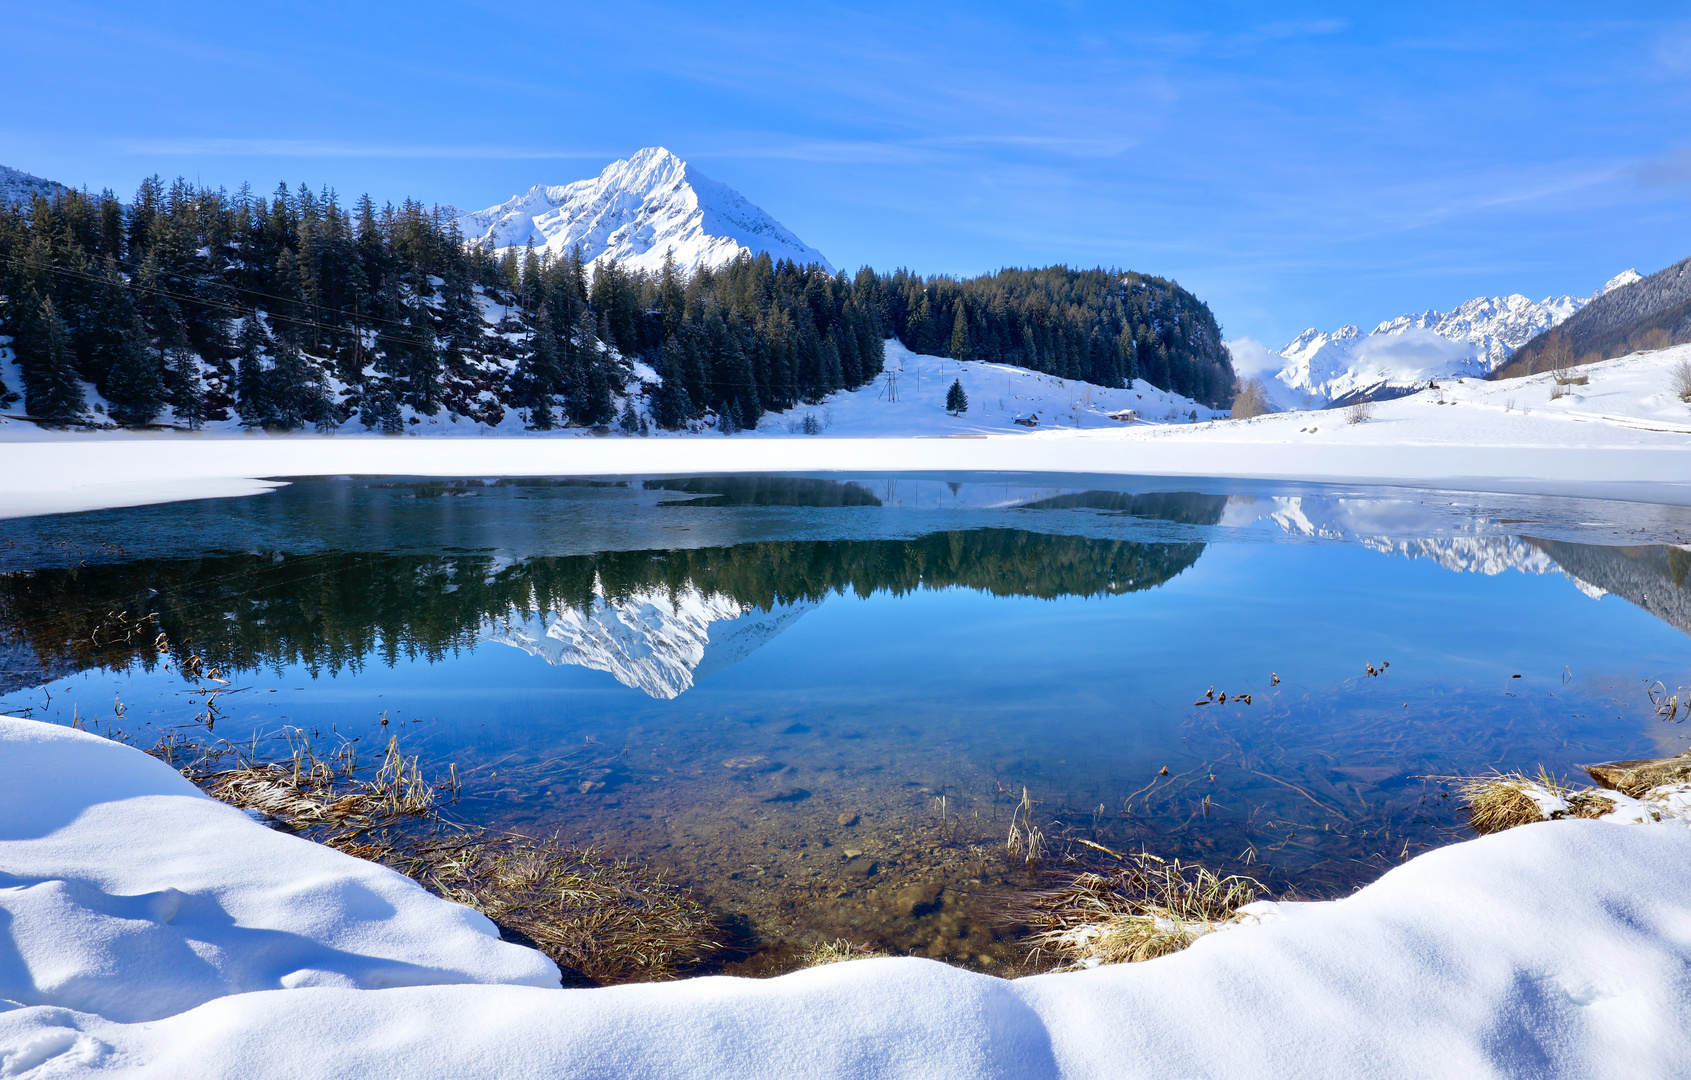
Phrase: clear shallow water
(717,674)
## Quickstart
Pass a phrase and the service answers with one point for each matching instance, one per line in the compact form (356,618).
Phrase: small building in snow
(1123,416)
(1026,419)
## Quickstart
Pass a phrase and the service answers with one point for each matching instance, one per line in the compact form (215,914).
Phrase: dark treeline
(331,610)
(1103,326)
(190,305)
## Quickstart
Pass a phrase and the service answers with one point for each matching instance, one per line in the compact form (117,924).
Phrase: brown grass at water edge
(1502,800)
(832,952)
(603,920)
(1147,908)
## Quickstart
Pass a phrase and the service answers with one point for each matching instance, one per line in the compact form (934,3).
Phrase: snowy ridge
(17,186)
(1470,341)
(652,641)
(636,211)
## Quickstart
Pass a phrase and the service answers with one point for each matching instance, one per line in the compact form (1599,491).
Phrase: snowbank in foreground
(1553,950)
(126,892)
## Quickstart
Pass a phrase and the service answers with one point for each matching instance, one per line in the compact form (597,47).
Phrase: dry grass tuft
(605,920)
(1145,909)
(1359,412)
(1505,800)
(832,952)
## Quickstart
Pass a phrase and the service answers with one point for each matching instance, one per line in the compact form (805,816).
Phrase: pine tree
(51,389)
(252,398)
(956,401)
(959,348)
(127,372)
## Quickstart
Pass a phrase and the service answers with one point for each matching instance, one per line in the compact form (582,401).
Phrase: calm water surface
(817,700)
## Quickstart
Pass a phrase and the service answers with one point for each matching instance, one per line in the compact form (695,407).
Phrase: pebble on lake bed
(848,820)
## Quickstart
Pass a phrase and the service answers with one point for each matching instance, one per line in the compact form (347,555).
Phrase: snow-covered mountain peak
(1469,341)
(1625,277)
(634,212)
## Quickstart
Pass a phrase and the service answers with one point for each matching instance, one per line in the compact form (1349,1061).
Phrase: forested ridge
(188,305)
(1651,313)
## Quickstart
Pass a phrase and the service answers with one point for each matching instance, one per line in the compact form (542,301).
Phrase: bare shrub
(1251,400)
(1359,412)
(1559,389)
(1680,373)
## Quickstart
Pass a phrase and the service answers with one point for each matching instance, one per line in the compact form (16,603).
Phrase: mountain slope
(17,186)
(1649,313)
(634,212)
(1470,341)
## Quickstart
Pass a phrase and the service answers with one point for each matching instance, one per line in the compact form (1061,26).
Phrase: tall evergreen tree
(958,348)
(51,388)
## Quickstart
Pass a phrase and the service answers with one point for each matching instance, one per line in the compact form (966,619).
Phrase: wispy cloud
(309,148)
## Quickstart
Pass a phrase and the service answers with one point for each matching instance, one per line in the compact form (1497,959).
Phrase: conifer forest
(187,305)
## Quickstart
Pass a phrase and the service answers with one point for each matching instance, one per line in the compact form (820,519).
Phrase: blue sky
(1293,166)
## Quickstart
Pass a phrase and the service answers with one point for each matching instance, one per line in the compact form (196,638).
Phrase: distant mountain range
(1400,355)
(634,212)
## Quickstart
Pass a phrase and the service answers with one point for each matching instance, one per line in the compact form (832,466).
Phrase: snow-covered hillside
(1473,340)
(908,398)
(634,212)
(17,186)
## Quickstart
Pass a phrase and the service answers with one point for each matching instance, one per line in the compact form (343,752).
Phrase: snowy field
(151,932)
(1624,434)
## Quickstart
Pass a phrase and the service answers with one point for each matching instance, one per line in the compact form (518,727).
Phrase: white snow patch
(128,893)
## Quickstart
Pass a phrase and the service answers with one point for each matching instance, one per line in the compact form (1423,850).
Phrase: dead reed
(832,952)
(1505,800)
(1145,908)
(602,920)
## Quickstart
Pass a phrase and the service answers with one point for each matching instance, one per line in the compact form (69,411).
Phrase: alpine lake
(820,703)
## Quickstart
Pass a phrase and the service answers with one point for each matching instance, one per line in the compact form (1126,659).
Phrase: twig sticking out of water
(1025,840)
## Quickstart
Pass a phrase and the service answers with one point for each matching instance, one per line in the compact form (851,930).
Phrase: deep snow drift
(635,211)
(148,931)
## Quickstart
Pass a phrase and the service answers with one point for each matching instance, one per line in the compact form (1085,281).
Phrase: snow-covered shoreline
(1551,950)
(1622,435)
